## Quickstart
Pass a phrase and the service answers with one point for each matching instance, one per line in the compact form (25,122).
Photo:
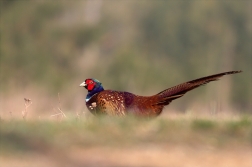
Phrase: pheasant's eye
(91,82)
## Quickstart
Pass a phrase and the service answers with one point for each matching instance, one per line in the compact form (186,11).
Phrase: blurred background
(49,47)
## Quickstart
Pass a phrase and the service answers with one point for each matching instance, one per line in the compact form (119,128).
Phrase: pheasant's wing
(166,96)
(111,103)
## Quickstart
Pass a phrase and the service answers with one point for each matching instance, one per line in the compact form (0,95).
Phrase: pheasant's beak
(83,84)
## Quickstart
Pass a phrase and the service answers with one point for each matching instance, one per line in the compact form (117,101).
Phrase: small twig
(63,114)
(55,114)
(59,108)
(28,103)
(60,113)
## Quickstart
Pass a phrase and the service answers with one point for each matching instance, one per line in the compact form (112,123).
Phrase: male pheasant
(120,103)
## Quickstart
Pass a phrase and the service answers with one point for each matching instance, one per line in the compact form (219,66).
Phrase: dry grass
(27,103)
(104,141)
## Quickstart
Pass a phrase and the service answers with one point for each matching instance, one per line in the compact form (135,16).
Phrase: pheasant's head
(92,85)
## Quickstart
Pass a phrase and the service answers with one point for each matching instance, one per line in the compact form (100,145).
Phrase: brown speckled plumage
(122,103)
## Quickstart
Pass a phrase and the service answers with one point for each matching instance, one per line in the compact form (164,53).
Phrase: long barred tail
(166,96)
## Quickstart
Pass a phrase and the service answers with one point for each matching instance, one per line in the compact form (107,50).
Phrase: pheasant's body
(119,103)
(122,103)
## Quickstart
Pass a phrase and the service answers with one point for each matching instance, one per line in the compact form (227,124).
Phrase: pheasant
(120,103)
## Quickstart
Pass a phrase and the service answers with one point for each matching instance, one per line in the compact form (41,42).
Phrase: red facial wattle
(90,86)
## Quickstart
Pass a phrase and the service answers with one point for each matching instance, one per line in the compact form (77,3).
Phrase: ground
(104,141)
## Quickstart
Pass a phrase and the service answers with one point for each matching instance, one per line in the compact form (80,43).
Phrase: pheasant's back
(122,103)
